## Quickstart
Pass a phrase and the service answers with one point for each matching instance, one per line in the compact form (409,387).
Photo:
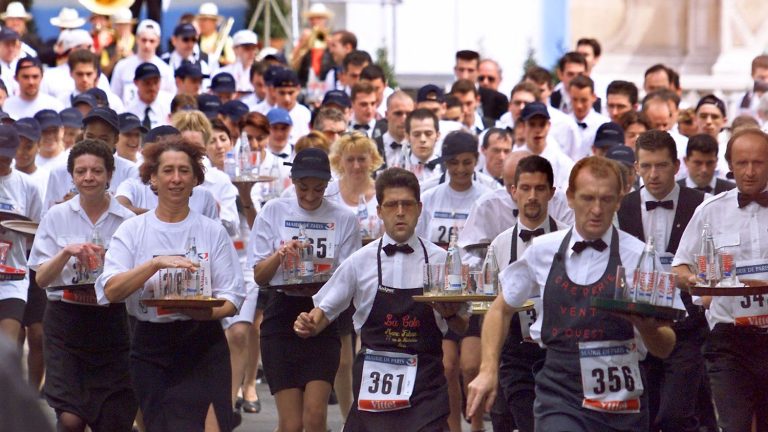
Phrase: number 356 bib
(387,382)
(610,376)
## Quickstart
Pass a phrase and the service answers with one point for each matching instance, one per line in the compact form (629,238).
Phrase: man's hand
(305,325)
(482,389)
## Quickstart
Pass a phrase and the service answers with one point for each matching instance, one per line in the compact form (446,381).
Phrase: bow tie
(396,145)
(761,199)
(391,248)
(598,245)
(431,165)
(515,212)
(282,155)
(652,205)
(364,127)
(582,125)
(705,189)
(527,235)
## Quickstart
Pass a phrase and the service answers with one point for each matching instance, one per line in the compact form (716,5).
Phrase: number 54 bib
(610,376)
(387,382)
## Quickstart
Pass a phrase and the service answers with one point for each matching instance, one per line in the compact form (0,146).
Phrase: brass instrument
(221,40)
(317,39)
(105,7)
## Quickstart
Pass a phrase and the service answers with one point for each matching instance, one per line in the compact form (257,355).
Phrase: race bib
(80,296)
(322,236)
(387,381)
(751,310)
(666,261)
(445,223)
(610,376)
(527,318)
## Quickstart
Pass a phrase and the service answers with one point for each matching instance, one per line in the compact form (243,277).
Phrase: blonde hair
(313,139)
(194,121)
(354,142)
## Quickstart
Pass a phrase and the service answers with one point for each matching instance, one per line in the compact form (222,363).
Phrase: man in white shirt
(423,131)
(186,49)
(10,53)
(51,145)
(30,100)
(660,108)
(364,110)
(581,91)
(24,161)
(536,118)
(496,146)
(374,74)
(147,41)
(558,267)
(280,125)
(189,78)
(393,145)
(621,99)
(245,45)
(83,72)
(285,87)
(701,156)
(468,95)
(152,105)
(564,131)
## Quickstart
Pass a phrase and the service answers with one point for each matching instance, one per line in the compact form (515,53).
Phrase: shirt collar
(673,195)
(576,237)
(413,241)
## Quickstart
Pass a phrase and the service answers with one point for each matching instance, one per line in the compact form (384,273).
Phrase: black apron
(559,392)
(429,401)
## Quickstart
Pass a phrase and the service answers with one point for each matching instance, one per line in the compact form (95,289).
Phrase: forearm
(122,285)
(495,328)
(660,341)
(684,274)
(226,310)
(125,202)
(321,321)
(48,271)
(266,269)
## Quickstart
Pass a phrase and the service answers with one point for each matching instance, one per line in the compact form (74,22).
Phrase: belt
(731,328)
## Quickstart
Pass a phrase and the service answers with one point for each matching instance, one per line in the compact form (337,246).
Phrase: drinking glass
(623,290)
(433,279)
(664,294)
(474,282)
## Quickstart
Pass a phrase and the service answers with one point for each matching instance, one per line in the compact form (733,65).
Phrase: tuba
(105,7)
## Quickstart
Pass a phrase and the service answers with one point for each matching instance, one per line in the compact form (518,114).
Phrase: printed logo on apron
(610,376)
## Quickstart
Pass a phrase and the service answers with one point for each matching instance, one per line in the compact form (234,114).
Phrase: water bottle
(362,217)
(306,260)
(645,274)
(453,274)
(193,287)
(230,165)
(274,172)
(289,265)
(490,273)
(246,164)
(706,261)
(96,262)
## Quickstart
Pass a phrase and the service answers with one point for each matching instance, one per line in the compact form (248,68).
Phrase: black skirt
(179,369)
(86,356)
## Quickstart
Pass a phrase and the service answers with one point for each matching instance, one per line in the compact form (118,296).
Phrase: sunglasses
(486,78)
(189,39)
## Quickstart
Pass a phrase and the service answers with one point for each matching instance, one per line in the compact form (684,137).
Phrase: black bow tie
(582,125)
(282,155)
(598,245)
(431,165)
(364,127)
(705,189)
(396,145)
(652,205)
(515,212)
(527,235)
(391,248)
(761,199)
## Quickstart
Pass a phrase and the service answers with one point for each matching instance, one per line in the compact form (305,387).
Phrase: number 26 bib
(387,381)
(610,376)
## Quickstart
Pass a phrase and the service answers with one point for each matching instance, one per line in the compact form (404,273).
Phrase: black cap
(48,119)
(4,116)
(71,118)
(458,142)
(223,82)
(9,141)
(85,98)
(209,104)
(160,131)
(129,121)
(270,73)
(337,97)
(234,109)
(185,30)
(104,114)
(7,34)
(284,77)
(146,70)
(28,62)
(189,70)
(621,153)
(608,135)
(534,109)
(430,92)
(311,162)
(29,128)
(99,95)
(712,100)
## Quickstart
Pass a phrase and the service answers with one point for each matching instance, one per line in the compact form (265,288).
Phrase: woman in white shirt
(87,381)
(300,372)
(179,357)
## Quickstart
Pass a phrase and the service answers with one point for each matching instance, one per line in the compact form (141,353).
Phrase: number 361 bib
(610,376)
(387,382)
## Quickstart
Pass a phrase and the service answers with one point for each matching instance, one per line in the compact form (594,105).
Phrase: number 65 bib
(610,376)
(387,382)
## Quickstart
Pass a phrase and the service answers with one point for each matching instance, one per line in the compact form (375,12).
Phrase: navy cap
(223,82)
(160,131)
(311,162)
(458,142)
(185,30)
(85,98)
(209,104)
(71,118)
(279,116)
(146,70)
(48,119)
(621,153)
(430,92)
(712,100)
(29,128)
(337,97)
(189,70)
(99,95)
(234,109)
(104,114)
(270,73)
(284,77)
(7,34)
(534,109)
(129,121)
(608,135)
(5,116)
(28,62)
(9,141)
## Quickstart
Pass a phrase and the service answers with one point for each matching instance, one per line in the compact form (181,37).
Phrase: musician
(207,20)
(124,42)
(245,44)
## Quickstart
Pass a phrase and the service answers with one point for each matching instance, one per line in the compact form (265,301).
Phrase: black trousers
(154,9)
(736,363)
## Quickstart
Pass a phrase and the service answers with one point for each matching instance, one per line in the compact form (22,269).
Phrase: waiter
(737,349)
(590,379)
(662,209)
(398,375)
(532,190)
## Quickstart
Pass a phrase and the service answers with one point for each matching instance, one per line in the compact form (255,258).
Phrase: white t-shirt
(47,163)
(57,82)
(65,224)
(141,196)
(125,70)
(220,186)
(143,237)
(17,108)
(445,210)
(301,117)
(40,179)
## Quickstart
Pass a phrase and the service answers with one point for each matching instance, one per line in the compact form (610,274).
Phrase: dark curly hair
(94,147)
(153,151)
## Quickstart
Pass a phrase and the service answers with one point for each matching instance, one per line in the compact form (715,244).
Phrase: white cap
(122,16)
(244,37)
(318,10)
(208,10)
(148,25)
(271,51)
(15,10)
(69,39)
(68,19)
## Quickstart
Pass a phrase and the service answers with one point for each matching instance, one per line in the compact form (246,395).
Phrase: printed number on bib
(751,310)
(446,223)
(610,376)
(527,318)
(321,235)
(387,381)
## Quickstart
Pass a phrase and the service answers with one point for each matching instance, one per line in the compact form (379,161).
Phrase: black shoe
(252,407)
(332,399)
(237,418)
(238,403)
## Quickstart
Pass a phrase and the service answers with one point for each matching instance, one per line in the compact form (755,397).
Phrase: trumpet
(221,39)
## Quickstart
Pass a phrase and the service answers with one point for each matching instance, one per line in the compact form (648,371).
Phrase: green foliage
(383,62)
(277,31)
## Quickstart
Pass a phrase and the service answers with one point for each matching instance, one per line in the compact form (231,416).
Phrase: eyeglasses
(405,204)
(488,78)
(189,39)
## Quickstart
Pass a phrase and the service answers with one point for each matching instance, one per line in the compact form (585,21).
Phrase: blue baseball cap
(185,30)
(48,119)
(7,34)
(279,116)
(189,70)
(234,109)
(85,98)
(337,97)
(534,109)
(160,131)
(129,121)
(608,135)
(29,128)
(223,82)
(9,141)
(430,92)
(71,118)
(99,95)
(621,153)
(284,77)
(146,70)
(209,104)
(106,115)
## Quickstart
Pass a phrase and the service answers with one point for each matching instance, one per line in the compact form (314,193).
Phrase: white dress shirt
(159,110)
(394,156)
(125,70)
(502,244)
(301,117)
(561,164)
(368,132)
(242,75)
(592,121)
(658,222)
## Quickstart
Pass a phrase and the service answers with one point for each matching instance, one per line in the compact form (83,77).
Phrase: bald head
(510,166)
